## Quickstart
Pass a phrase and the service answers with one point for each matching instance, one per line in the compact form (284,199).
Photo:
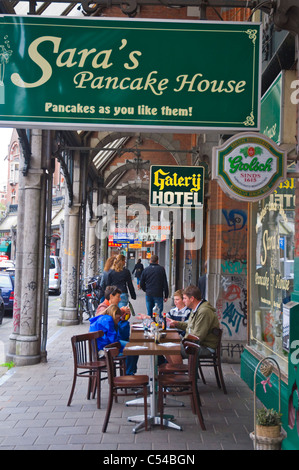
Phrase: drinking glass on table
(146,324)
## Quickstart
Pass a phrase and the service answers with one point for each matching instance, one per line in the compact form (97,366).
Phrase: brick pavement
(34,414)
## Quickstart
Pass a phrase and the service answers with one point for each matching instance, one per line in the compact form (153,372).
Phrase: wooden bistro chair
(117,384)
(214,361)
(187,382)
(171,368)
(87,364)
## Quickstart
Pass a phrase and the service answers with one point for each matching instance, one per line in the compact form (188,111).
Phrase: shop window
(271,269)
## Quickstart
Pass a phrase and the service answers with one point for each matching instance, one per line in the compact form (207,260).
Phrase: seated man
(200,323)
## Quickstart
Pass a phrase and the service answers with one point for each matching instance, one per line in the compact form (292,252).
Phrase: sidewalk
(34,414)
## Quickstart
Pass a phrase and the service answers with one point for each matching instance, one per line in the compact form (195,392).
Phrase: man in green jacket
(200,323)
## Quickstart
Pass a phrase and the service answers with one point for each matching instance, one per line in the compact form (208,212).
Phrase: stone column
(25,345)
(69,309)
(91,245)
(64,254)
(18,263)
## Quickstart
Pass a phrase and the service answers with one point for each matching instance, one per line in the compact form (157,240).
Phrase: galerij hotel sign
(249,166)
(176,186)
(108,73)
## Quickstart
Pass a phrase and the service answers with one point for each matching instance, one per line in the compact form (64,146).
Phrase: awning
(9,222)
(58,218)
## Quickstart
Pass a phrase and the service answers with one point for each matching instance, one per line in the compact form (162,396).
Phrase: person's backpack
(138,272)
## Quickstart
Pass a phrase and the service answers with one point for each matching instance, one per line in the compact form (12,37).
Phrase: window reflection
(272,272)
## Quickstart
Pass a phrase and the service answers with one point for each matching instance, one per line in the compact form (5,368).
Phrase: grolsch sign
(249,166)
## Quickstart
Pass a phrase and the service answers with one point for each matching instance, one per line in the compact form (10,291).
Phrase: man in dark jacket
(154,283)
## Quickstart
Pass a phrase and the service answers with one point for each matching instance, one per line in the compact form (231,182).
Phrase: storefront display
(271,270)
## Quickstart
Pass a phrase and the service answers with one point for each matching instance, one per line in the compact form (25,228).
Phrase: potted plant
(268,433)
(268,423)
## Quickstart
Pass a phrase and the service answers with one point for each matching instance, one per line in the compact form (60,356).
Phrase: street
(7,325)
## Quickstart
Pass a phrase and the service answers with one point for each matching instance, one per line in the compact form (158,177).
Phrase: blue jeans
(150,302)
(124,300)
(131,361)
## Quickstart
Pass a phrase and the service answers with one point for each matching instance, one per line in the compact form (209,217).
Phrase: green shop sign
(176,186)
(249,166)
(97,73)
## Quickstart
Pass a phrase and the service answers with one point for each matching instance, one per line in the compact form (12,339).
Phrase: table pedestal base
(168,401)
(153,421)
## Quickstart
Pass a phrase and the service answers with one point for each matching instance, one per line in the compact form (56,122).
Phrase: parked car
(6,264)
(2,308)
(55,274)
(7,282)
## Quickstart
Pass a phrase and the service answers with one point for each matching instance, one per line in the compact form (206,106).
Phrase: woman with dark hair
(120,277)
(138,268)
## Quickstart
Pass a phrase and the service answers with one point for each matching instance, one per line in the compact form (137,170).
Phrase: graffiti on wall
(231,304)
(231,307)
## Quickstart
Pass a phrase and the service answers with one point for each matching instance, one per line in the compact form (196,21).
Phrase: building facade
(249,251)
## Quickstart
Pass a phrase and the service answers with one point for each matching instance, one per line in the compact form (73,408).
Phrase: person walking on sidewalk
(154,283)
(120,277)
(104,278)
(138,269)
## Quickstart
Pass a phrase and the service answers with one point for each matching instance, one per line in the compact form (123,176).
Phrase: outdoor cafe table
(150,348)
(137,334)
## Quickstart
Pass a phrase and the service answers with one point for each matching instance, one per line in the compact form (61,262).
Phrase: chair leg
(98,378)
(216,375)
(161,406)
(222,379)
(72,390)
(145,406)
(94,388)
(108,411)
(194,397)
(91,388)
(200,417)
(201,374)
(193,407)
(197,392)
(196,401)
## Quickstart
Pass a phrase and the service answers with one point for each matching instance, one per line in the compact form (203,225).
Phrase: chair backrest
(110,353)
(85,348)
(192,349)
(218,332)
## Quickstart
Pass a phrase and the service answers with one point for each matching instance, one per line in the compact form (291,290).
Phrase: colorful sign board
(114,245)
(177,186)
(249,166)
(278,113)
(135,246)
(271,111)
(94,73)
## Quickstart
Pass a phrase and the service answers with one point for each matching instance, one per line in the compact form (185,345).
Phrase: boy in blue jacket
(108,323)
